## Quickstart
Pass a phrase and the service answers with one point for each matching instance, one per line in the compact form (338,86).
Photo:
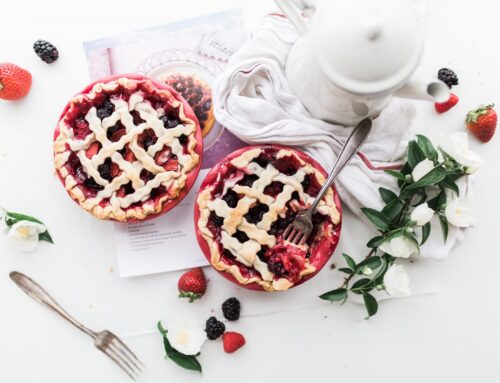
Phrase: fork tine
(303,240)
(123,350)
(287,232)
(297,235)
(111,354)
(292,234)
(129,351)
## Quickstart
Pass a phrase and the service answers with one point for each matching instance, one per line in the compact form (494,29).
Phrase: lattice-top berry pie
(245,204)
(127,148)
(197,93)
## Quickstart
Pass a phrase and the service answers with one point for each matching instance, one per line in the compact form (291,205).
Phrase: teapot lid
(367,46)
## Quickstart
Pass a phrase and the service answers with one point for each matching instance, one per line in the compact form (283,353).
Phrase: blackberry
(231,309)
(447,76)
(169,122)
(241,236)
(183,139)
(218,221)
(256,213)
(214,328)
(106,109)
(46,51)
(231,198)
(276,267)
(105,170)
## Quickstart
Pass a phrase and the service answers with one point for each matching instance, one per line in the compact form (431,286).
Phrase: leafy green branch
(423,182)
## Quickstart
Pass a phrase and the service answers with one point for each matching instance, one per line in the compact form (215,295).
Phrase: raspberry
(214,328)
(231,309)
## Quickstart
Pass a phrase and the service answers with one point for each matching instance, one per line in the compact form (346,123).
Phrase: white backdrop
(452,336)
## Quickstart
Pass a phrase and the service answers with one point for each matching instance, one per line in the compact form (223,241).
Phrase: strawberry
(15,82)
(482,122)
(192,284)
(163,156)
(232,341)
(129,155)
(93,149)
(446,106)
(171,165)
(81,128)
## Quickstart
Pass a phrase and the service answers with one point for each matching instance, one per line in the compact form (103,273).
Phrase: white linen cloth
(253,101)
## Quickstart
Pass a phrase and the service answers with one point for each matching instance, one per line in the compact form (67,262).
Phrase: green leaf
(415,154)
(444,226)
(12,218)
(345,270)
(448,183)
(375,241)
(189,362)
(377,218)
(350,262)
(387,195)
(338,295)
(434,177)
(437,202)
(360,284)
(426,231)
(45,236)
(392,210)
(396,174)
(370,304)
(372,262)
(423,197)
(425,144)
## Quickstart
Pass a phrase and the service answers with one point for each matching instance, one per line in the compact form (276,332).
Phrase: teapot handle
(294,14)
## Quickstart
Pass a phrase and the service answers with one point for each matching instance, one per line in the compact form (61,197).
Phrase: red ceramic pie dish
(127,148)
(243,207)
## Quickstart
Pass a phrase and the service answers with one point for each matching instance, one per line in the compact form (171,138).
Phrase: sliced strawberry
(115,170)
(81,129)
(171,165)
(445,106)
(129,155)
(117,135)
(93,149)
(163,156)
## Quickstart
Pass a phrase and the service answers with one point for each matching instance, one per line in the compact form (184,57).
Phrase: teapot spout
(432,90)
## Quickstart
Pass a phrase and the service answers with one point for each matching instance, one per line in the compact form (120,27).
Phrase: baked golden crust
(108,203)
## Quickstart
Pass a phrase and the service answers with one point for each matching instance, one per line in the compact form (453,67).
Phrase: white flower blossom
(186,335)
(24,235)
(422,214)
(399,247)
(456,145)
(457,213)
(422,169)
(396,281)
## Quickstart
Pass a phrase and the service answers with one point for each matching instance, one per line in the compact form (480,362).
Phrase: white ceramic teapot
(354,55)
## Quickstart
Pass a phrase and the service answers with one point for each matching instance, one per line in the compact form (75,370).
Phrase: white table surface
(450,336)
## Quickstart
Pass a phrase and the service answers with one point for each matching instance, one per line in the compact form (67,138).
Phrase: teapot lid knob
(373,31)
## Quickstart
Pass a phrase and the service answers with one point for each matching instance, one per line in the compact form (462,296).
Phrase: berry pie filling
(125,148)
(246,209)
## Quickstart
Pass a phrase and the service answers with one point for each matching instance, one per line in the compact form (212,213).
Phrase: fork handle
(35,291)
(351,147)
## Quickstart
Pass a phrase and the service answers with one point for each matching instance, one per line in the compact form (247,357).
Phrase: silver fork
(105,341)
(300,229)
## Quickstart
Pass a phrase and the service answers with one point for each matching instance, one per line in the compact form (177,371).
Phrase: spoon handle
(351,147)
